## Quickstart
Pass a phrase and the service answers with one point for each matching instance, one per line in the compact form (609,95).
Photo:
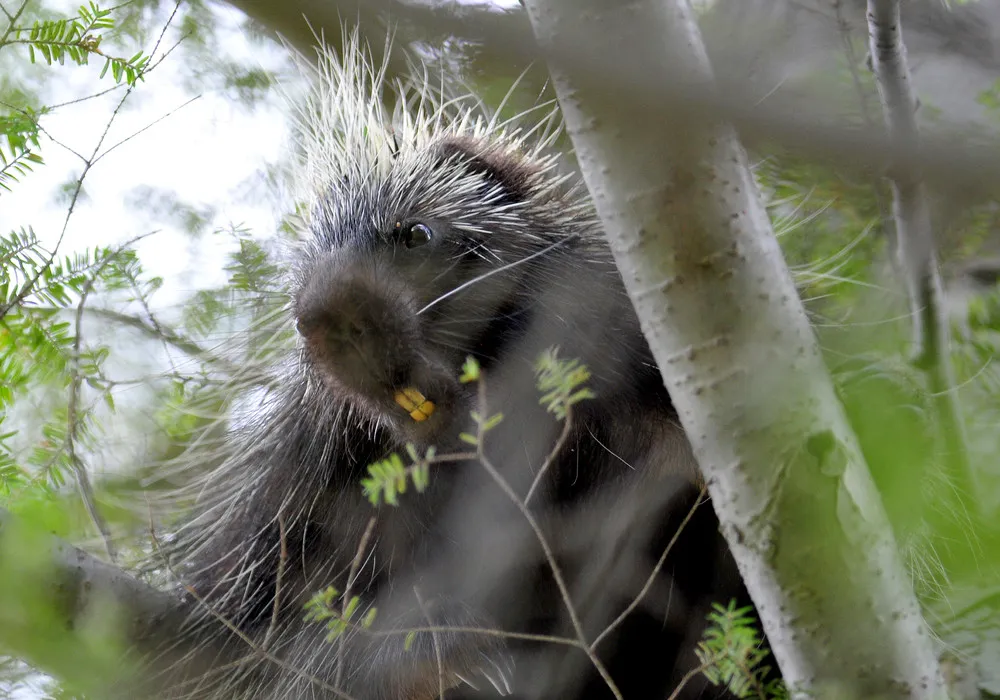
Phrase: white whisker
(508,266)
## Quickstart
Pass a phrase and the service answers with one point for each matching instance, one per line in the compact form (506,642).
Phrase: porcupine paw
(452,655)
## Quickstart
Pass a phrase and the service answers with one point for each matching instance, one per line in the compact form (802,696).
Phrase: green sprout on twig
(320,608)
(562,382)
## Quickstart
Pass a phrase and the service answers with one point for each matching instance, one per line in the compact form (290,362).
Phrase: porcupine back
(430,235)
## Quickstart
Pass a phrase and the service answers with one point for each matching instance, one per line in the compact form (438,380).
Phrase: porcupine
(428,236)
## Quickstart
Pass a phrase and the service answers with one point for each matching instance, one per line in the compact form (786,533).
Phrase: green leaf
(351,607)
(492,422)
(561,382)
(470,370)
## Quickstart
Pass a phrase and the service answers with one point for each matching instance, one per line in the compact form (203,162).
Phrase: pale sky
(207,152)
(203,152)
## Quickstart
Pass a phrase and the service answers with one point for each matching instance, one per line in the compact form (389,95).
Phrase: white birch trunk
(718,306)
(915,238)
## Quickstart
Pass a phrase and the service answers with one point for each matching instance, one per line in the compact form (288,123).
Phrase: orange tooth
(418,406)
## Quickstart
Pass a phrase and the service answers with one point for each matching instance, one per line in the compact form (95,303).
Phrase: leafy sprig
(562,382)
(15,165)
(388,478)
(78,38)
(732,654)
(320,608)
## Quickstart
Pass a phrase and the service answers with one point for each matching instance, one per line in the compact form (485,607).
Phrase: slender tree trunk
(718,306)
(915,239)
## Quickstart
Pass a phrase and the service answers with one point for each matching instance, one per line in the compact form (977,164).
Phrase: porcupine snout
(358,333)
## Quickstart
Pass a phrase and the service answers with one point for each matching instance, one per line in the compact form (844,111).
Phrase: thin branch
(158,331)
(279,576)
(85,98)
(42,130)
(11,28)
(351,576)
(163,32)
(844,28)
(544,543)
(551,457)
(73,422)
(690,675)
(485,631)
(146,127)
(435,640)
(656,572)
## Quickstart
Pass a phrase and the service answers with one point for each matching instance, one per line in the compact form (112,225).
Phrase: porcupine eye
(413,235)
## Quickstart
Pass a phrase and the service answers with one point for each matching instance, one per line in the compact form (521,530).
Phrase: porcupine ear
(509,171)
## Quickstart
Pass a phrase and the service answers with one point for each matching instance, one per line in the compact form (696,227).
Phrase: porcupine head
(420,226)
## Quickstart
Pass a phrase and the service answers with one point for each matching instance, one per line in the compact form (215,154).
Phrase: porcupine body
(428,237)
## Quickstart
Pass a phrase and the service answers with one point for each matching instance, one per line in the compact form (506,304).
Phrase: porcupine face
(381,305)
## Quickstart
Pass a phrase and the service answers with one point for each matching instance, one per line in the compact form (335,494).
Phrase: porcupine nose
(356,334)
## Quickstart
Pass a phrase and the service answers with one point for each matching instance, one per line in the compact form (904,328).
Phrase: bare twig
(656,572)
(563,436)
(485,631)
(282,563)
(148,126)
(436,641)
(688,676)
(348,589)
(550,558)
(73,421)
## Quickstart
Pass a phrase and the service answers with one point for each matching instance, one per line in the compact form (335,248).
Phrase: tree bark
(718,306)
